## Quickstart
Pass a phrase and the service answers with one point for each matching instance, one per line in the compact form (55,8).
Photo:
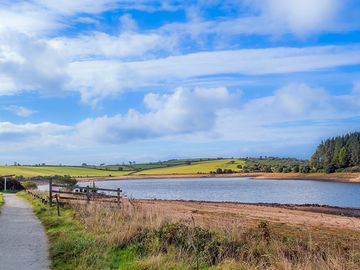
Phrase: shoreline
(334,177)
(314,208)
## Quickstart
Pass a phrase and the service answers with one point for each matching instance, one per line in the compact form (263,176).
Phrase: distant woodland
(341,153)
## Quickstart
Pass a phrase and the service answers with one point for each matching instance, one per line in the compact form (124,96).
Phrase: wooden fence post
(50,191)
(57,204)
(88,193)
(118,196)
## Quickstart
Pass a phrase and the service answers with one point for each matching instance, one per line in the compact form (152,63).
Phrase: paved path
(23,243)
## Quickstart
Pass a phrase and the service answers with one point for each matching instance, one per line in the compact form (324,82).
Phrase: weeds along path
(23,243)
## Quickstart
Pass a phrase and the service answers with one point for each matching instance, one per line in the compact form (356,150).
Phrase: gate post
(50,192)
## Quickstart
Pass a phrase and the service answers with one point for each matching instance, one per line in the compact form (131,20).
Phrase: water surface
(242,189)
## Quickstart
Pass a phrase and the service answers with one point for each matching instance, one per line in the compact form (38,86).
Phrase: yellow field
(197,167)
(30,171)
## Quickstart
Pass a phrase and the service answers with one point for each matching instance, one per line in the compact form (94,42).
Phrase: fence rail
(63,194)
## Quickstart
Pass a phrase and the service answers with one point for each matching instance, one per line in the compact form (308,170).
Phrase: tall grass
(164,241)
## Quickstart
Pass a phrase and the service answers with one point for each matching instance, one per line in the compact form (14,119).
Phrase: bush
(29,185)
(11,184)
(65,180)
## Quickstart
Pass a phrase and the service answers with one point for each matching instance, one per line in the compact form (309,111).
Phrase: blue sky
(112,81)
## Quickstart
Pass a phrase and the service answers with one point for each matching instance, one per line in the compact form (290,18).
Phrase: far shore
(333,177)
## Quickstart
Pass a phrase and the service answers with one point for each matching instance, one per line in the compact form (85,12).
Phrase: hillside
(205,167)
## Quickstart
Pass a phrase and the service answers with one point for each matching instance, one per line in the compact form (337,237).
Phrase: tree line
(340,153)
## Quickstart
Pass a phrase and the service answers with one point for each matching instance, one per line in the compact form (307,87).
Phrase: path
(23,243)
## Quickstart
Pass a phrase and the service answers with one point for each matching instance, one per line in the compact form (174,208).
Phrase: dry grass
(118,225)
(167,241)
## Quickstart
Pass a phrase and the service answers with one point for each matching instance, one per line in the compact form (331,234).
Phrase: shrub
(11,184)
(29,185)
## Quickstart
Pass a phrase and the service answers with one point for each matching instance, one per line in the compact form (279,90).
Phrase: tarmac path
(23,242)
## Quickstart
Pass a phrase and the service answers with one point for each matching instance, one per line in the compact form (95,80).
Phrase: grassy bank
(101,236)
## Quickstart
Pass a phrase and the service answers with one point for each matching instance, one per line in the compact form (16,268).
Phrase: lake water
(242,189)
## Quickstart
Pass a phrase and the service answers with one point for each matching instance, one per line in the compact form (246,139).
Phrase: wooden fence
(63,194)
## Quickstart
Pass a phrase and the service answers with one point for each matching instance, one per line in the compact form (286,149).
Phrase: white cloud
(185,111)
(39,17)
(32,135)
(28,64)
(266,18)
(294,112)
(19,110)
(101,45)
(293,117)
(300,17)
(87,76)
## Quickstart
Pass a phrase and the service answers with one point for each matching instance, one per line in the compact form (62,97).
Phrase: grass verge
(1,199)
(70,246)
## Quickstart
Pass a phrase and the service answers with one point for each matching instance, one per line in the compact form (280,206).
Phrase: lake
(240,189)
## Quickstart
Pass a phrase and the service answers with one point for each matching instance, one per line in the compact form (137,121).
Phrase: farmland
(203,167)
(32,171)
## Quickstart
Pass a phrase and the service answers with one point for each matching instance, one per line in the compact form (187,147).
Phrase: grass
(31,171)
(198,167)
(1,199)
(102,236)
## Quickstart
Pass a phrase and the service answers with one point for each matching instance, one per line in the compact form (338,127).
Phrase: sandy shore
(248,214)
(334,177)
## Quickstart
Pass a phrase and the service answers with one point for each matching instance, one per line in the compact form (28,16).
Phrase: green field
(31,171)
(197,167)
(149,165)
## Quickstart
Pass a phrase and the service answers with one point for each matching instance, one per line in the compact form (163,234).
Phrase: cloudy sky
(146,80)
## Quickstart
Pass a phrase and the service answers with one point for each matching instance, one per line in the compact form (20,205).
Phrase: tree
(219,171)
(343,158)
(337,152)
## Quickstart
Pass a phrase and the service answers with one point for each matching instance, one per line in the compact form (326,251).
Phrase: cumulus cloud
(182,112)
(204,114)
(295,111)
(294,116)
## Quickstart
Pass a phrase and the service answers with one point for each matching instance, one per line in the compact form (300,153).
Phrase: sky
(111,81)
